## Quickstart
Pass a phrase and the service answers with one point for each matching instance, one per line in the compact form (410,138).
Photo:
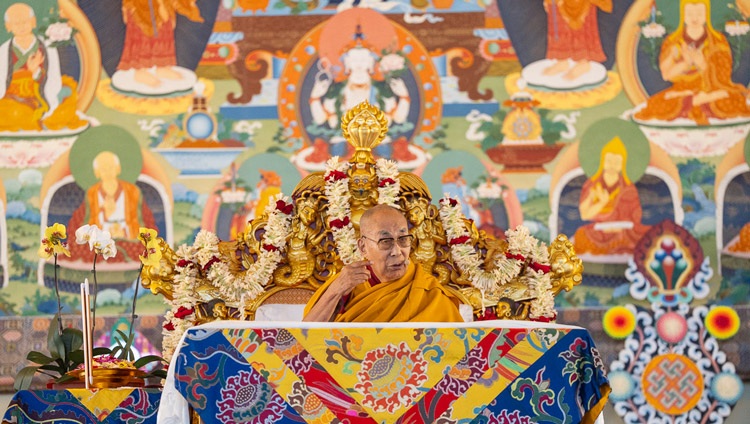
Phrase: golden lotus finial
(364,127)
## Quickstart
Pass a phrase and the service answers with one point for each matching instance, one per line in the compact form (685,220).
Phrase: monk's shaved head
(379,213)
(18,10)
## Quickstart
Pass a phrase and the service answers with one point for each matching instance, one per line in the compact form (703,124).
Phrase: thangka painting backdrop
(598,119)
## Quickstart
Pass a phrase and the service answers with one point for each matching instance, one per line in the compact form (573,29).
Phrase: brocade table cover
(126,405)
(490,371)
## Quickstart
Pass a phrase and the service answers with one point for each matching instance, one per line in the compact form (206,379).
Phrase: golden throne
(312,255)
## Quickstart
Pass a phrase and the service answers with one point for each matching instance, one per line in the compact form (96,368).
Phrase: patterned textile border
(84,406)
(19,335)
(381,374)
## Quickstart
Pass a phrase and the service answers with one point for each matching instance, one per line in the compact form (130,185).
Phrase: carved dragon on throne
(312,254)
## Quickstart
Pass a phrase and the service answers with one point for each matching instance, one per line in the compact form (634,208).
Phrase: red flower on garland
(539,267)
(386,182)
(335,176)
(340,223)
(544,319)
(459,240)
(182,312)
(517,256)
(182,263)
(169,326)
(210,262)
(488,315)
(285,208)
(451,201)
(270,248)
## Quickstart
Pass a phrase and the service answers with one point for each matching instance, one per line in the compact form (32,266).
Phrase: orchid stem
(93,298)
(59,304)
(135,298)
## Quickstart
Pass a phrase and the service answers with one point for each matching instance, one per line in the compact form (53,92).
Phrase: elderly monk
(386,287)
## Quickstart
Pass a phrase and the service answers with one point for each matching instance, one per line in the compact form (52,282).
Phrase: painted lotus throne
(312,251)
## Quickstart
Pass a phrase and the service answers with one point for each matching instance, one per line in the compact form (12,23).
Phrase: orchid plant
(101,243)
(64,345)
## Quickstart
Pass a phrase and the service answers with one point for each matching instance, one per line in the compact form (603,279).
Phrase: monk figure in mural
(697,60)
(114,205)
(610,200)
(35,96)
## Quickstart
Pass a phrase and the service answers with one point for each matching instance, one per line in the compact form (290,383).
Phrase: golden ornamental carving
(311,256)
(364,127)
(160,279)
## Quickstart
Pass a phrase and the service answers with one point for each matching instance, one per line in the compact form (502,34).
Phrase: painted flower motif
(284,344)
(722,322)
(53,242)
(58,32)
(671,327)
(390,377)
(309,406)
(737,28)
(464,374)
(247,398)
(503,417)
(654,30)
(619,322)
(392,62)
(727,387)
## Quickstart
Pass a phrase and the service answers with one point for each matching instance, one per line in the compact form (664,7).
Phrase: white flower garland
(204,255)
(389,184)
(522,247)
(339,210)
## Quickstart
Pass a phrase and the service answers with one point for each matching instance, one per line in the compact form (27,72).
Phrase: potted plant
(64,358)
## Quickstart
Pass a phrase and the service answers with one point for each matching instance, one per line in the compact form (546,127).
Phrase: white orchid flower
(104,245)
(87,234)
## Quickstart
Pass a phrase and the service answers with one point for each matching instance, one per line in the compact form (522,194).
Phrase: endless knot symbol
(672,383)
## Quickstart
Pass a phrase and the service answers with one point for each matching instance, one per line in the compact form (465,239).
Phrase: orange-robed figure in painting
(573,33)
(611,201)
(149,37)
(743,242)
(697,60)
(30,96)
(113,205)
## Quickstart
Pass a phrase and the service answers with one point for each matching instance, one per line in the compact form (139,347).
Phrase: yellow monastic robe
(416,297)
(132,205)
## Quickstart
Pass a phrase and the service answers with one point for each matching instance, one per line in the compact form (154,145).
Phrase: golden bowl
(110,378)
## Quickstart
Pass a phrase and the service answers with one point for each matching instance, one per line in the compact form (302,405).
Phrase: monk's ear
(361,245)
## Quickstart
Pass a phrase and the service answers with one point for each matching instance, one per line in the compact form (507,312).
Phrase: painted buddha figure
(611,202)
(573,33)
(114,205)
(352,69)
(697,60)
(35,96)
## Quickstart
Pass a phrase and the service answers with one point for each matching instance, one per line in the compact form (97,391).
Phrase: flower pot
(442,4)
(524,158)
(110,378)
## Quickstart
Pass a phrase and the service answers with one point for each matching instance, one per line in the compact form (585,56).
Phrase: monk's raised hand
(351,276)
(35,61)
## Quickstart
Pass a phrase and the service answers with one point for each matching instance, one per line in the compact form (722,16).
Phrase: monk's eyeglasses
(387,243)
